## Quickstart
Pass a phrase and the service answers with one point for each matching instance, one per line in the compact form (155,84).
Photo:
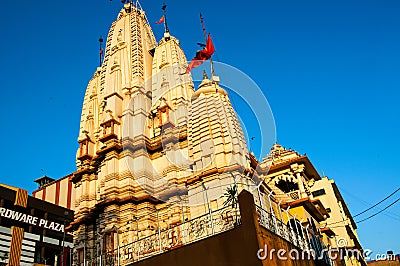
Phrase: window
(81,254)
(286,185)
(319,192)
(108,241)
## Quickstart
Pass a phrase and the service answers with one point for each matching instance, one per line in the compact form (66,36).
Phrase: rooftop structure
(32,231)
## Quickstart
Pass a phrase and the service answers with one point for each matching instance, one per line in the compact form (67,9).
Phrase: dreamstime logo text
(311,254)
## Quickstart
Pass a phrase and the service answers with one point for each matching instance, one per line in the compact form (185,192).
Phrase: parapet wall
(238,246)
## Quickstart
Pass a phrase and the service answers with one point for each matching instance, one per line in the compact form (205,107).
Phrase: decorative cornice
(91,215)
(108,137)
(109,121)
(77,176)
(113,94)
(85,157)
(113,147)
(214,171)
(309,169)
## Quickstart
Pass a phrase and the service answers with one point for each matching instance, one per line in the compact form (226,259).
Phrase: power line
(366,203)
(394,202)
(328,225)
(373,206)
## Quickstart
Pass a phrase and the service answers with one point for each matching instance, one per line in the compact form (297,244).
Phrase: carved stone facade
(314,200)
(289,175)
(156,155)
(153,152)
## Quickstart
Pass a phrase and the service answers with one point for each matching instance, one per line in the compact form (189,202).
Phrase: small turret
(43,181)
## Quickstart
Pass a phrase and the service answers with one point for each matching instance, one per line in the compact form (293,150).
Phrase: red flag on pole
(202,55)
(161,20)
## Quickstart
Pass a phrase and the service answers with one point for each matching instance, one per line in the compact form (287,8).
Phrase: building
(161,163)
(32,230)
(150,145)
(389,259)
(339,228)
(59,192)
(316,201)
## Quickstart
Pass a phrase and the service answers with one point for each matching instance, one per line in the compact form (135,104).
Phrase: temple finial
(206,39)
(205,75)
(101,50)
(164,7)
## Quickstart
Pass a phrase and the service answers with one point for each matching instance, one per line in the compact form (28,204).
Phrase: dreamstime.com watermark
(312,254)
(325,253)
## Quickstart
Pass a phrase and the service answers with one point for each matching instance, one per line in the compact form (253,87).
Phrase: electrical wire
(373,206)
(391,204)
(366,204)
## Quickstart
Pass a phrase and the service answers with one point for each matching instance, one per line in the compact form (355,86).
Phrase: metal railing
(293,234)
(199,228)
(207,225)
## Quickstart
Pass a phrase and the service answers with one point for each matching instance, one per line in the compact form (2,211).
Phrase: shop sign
(30,219)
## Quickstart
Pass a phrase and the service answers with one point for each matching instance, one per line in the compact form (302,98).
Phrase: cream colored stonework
(155,152)
(151,148)
(293,172)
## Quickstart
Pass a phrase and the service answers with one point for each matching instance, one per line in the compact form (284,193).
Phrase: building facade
(317,202)
(339,227)
(32,231)
(59,192)
(161,162)
(150,145)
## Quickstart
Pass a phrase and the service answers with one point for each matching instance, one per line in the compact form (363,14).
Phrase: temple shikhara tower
(161,163)
(148,140)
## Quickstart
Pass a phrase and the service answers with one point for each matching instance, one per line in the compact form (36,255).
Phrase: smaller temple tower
(216,143)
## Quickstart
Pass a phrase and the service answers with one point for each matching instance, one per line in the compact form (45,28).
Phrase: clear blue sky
(330,71)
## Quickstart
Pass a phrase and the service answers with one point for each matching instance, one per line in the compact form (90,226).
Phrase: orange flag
(161,20)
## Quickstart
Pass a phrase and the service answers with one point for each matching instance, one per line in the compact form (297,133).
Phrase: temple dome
(209,86)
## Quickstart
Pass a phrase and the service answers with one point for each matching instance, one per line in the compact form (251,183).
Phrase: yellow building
(339,227)
(316,202)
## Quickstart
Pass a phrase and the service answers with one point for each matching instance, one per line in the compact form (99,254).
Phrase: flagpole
(164,7)
(205,39)
(101,49)
(212,68)
(204,54)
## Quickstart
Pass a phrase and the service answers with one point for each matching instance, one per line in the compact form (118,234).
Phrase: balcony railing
(208,225)
(199,228)
(272,223)
(295,233)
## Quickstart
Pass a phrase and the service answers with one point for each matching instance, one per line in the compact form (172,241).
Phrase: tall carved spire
(145,133)
(167,82)
(127,62)
(127,65)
